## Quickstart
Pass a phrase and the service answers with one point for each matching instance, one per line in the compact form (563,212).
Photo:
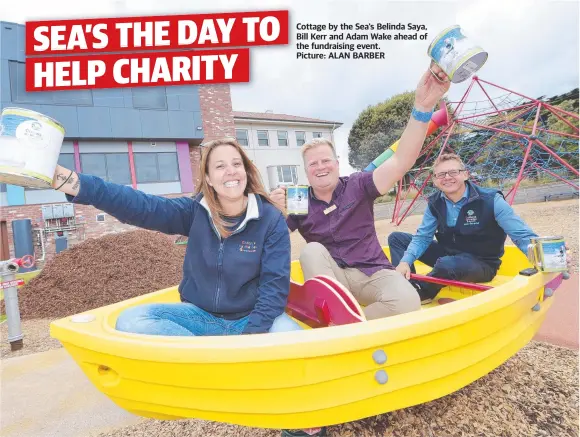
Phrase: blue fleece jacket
(245,274)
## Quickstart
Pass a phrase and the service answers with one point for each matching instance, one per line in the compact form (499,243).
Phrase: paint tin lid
(550,238)
(24,111)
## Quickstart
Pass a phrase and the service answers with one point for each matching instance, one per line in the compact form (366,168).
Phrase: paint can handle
(532,255)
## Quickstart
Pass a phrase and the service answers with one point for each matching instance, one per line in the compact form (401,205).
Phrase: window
(317,134)
(282,138)
(2,188)
(156,167)
(287,174)
(149,97)
(112,167)
(263,138)
(300,138)
(16,70)
(242,137)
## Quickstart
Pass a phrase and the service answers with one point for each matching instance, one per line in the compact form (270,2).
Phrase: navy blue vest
(476,231)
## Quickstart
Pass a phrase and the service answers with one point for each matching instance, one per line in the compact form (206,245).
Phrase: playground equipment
(9,285)
(342,370)
(504,138)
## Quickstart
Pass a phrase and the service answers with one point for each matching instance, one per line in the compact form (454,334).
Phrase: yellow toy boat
(315,377)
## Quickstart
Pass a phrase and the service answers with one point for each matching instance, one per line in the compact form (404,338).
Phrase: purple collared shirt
(348,232)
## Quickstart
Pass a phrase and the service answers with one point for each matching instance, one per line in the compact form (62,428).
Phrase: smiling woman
(229,177)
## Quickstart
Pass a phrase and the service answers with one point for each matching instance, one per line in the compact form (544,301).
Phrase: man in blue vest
(470,224)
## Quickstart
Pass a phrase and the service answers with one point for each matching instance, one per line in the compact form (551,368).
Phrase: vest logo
(471,219)
(248,246)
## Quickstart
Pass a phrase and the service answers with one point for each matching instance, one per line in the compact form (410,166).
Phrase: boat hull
(314,377)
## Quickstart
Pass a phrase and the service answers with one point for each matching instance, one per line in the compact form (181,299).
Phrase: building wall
(218,120)
(217,123)
(269,158)
(170,113)
(86,217)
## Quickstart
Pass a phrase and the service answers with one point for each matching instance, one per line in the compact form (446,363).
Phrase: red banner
(138,69)
(156,32)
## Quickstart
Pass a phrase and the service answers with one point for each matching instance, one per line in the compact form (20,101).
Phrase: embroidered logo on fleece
(248,246)
(471,219)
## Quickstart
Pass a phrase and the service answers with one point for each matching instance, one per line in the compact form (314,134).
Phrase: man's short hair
(315,142)
(448,157)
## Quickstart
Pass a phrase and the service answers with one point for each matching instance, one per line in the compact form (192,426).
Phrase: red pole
(530,98)
(565,121)
(556,176)
(519,179)
(563,134)
(526,107)
(555,108)
(462,101)
(487,95)
(495,129)
(555,155)
(397,201)
(468,285)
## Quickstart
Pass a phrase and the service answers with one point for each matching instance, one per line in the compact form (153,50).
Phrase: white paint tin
(457,56)
(297,199)
(548,254)
(30,144)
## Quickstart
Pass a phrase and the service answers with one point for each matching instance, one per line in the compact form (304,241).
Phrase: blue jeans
(460,267)
(186,319)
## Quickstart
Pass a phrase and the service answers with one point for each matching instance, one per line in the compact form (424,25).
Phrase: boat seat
(322,301)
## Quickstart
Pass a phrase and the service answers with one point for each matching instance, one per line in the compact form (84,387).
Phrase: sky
(533,48)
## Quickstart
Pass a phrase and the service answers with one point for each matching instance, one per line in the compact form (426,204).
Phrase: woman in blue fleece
(236,271)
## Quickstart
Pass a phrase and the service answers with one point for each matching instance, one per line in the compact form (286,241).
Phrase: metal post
(8,270)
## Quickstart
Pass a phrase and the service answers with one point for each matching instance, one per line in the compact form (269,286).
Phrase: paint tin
(457,56)
(548,254)
(30,144)
(297,199)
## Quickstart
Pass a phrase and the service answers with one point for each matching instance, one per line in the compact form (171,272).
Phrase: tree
(374,144)
(388,118)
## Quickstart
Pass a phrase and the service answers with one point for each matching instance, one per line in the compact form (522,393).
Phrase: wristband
(423,117)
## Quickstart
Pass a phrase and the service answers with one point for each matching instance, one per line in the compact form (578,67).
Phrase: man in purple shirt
(339,227)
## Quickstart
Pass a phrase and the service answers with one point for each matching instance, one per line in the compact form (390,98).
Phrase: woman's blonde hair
(254,182)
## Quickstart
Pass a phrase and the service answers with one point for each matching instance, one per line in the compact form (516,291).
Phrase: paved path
(47,395)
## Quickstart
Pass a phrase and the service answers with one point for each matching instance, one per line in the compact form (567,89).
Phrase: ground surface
(533,394)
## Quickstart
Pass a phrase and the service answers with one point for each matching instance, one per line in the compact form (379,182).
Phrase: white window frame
(316,134)
(262,139)
(293,174)
(247,139)
(283,138)
(303,138)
